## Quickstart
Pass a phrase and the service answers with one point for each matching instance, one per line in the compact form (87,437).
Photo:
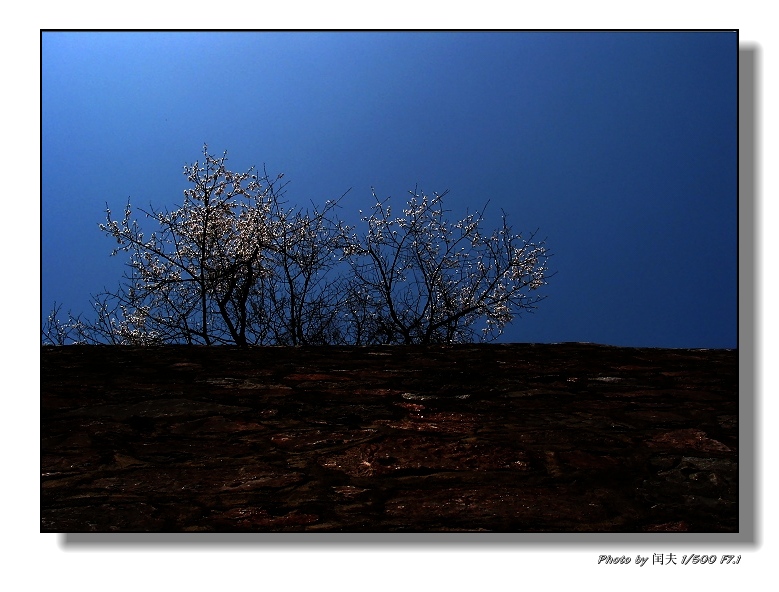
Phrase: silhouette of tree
(233,264)
(418,278)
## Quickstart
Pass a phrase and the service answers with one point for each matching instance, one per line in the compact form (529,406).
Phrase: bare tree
(418,278)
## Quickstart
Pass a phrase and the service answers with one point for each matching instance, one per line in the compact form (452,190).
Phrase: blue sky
(620,147)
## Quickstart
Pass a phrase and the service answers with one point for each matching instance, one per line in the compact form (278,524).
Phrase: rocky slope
(504,438)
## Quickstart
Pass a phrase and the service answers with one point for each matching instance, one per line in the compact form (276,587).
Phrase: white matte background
(34,561)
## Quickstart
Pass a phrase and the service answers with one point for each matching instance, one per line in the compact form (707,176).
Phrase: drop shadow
(749,309)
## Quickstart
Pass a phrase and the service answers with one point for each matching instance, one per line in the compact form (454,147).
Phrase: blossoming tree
(234,265)
(231,265)
(191,280)
(418,278)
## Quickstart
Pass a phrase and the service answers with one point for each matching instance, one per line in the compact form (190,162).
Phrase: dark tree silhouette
(233,264)
(418,278)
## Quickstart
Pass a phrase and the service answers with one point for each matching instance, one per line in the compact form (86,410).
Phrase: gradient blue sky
(620,147)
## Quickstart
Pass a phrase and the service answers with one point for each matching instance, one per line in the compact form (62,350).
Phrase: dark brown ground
(530,438)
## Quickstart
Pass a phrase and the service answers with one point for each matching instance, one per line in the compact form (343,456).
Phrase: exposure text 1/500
(670,559)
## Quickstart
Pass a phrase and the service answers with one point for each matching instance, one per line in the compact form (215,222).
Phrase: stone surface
(502,438)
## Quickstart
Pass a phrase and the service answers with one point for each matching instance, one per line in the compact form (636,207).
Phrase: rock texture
(504,438)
